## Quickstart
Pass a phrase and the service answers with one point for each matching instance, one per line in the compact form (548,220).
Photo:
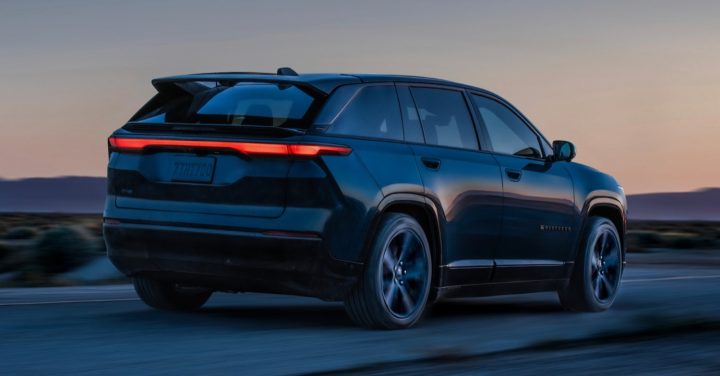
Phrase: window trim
(480,130)
(517,113)
(406,99)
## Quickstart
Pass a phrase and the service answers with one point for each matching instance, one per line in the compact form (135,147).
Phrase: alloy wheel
(605,264)
(405,272)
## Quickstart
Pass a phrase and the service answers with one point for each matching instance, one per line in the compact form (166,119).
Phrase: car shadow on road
(315,314)
(327,315)
(505,305)
(257,317)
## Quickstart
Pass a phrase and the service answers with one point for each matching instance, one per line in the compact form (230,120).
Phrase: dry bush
(62,249)
(20,233)
(673,235)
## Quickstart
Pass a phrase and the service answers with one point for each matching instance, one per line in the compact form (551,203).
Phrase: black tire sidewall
(596,225)
(164,295)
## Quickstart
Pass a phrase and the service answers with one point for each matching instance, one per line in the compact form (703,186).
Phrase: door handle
(513,175)
(431,163)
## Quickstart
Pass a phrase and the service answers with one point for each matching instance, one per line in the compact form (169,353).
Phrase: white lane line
(679,278)
(68,302)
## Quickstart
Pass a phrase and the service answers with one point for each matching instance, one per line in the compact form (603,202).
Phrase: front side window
(507,132)
(372,112)
(445,118)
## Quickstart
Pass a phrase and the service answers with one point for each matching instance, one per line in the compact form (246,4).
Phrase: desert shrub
(93,226)
(20,233)
(12,256)
(4,251)
(692,242)
(62,249)
(643,239)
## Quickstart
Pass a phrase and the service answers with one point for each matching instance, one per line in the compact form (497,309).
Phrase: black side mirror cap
(563,151)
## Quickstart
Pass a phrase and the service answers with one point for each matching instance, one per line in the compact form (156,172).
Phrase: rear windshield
(246,103)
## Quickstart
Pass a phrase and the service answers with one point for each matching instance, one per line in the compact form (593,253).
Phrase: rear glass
(246,103)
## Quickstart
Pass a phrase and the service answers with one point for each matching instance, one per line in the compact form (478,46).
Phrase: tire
(169,296)
(393,290)
(598,269)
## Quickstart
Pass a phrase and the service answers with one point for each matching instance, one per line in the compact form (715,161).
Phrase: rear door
(191,160)
(539,213)
(464,182)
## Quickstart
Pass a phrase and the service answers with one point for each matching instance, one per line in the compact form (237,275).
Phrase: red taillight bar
(304,150)
(247,148)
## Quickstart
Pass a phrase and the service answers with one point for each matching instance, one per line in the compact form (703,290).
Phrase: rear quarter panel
(374,170)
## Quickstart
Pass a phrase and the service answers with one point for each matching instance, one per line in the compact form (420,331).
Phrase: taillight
(304,150)
(247,148)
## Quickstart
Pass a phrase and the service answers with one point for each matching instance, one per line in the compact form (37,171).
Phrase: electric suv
(385,192)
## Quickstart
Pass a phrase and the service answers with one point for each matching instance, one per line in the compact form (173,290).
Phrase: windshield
(245,103)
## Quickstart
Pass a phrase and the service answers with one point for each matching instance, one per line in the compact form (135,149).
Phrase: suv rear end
(216,182)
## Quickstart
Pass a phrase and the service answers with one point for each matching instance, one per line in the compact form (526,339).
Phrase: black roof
(323,82)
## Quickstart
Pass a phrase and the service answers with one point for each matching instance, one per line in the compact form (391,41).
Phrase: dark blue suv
(385,192)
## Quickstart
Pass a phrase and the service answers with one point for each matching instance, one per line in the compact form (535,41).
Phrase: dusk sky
(634,84)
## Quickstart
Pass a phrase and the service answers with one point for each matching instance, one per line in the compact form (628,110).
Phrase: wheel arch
(612,209)
(422,210)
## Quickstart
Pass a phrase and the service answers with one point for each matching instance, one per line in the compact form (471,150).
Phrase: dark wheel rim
(605,264)
(404,273)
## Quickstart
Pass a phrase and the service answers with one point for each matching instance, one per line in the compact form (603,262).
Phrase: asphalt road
(106,330)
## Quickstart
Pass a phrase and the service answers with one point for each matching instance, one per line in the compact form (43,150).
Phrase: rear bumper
(229,260)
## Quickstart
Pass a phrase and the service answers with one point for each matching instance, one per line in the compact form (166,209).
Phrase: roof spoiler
(284,75)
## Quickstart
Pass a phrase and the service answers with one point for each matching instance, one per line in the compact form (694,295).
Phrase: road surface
(106,330)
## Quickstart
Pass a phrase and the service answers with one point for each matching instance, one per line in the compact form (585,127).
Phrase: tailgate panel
(238,185)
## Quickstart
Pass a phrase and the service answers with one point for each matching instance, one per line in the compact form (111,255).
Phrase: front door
(539,215)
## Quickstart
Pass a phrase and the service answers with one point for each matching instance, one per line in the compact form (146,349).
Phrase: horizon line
(699,189)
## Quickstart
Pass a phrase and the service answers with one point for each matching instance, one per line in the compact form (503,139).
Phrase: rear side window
(445,118)
(246,103)
(373,111)
(508,133)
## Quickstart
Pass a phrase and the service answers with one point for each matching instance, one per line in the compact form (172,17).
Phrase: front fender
(596,192)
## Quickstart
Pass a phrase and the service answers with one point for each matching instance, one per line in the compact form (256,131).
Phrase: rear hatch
(213,148)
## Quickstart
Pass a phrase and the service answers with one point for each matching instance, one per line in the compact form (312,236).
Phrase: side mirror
(563,151)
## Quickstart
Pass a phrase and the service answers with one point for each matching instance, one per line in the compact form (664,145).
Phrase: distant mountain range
(702,205)
(67,194)
(75,194)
